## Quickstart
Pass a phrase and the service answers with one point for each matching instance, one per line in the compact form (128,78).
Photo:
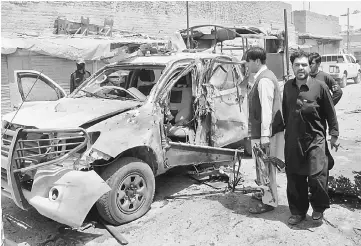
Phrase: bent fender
(66,195)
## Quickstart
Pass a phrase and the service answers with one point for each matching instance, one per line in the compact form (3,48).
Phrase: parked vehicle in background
(341,67)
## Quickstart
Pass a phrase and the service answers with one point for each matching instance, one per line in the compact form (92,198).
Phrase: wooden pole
(188,41)
(348,30)
(286,43)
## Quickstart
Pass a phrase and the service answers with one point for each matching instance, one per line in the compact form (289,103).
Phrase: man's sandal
(260,208)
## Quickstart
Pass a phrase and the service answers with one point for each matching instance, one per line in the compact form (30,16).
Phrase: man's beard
(305,78)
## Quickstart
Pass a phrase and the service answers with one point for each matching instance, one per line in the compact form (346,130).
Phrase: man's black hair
(255,53)
(298,54)
(314,56)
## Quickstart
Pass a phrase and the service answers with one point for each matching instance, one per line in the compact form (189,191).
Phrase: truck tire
(133,185)
(343,81)
(357,79)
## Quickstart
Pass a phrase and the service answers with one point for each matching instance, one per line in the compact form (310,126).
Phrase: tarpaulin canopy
(72,48)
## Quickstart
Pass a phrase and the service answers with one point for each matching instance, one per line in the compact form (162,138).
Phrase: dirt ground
(217,219)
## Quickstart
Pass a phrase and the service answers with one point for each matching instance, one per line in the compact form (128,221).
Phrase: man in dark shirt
(315,62)
(307,106)
(78,77)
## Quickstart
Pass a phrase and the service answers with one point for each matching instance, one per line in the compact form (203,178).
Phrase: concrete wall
(152,17)
(310,22)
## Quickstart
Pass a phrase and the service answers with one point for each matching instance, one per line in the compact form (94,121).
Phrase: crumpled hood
(69,112)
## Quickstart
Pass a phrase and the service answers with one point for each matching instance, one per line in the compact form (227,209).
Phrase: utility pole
(348,29)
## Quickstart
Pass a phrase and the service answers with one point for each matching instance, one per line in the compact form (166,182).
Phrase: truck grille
(7,138)
(4,175)
(36,146)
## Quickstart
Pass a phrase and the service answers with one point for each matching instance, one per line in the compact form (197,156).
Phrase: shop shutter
(5,90)
(57,69)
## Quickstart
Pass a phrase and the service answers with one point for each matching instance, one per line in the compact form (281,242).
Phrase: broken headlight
(93,136)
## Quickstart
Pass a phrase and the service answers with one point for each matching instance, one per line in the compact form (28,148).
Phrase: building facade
(318,33)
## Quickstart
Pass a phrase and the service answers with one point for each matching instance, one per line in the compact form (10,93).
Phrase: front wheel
(343,81)
(357,79)
(133,185)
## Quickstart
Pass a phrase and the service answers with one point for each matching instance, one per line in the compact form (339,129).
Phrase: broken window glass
(223,77)
(35,89)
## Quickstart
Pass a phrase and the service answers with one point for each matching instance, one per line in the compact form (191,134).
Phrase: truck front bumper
(61,194)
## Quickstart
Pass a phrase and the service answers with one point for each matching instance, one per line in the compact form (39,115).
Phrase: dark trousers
(297,192)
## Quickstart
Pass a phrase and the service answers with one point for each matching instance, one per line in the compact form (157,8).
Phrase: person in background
(266,127)
(315,62)
(79,76)
(307,106)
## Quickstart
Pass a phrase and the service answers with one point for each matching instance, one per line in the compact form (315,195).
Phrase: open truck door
(32,87)
(219,112)
(229,117)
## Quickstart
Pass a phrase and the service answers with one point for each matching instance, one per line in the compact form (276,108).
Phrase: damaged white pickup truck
(105,143)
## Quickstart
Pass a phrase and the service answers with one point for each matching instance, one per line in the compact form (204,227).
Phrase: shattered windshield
(121,83)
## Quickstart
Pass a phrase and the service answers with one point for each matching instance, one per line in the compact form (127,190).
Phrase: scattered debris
(112,230)
(342,190)
(356,111)
(244,190)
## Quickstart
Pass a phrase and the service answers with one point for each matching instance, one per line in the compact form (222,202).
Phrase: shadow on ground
(239,204)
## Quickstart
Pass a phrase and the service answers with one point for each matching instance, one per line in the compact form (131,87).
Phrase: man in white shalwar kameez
(266,127)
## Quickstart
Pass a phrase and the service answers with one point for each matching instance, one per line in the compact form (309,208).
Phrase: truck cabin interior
(143,78)
(180,114)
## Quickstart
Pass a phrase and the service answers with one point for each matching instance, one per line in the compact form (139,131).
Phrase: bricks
(151,17)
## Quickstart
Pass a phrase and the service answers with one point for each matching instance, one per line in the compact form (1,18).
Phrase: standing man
(266,127)
(307,105)
(315,62)
(78,77)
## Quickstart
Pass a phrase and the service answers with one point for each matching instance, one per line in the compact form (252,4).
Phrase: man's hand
(333,143)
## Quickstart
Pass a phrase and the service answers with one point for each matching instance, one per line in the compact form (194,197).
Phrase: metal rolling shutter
(5,90)
(57,69)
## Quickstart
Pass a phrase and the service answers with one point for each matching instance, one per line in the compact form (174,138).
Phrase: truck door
(352,66)
(230,107)
(31,87)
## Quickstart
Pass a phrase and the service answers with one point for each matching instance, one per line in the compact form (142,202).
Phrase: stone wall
(151,17)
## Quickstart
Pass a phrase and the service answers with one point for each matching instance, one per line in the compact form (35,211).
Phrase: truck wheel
(357,79)
(343,81)
(133,185)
